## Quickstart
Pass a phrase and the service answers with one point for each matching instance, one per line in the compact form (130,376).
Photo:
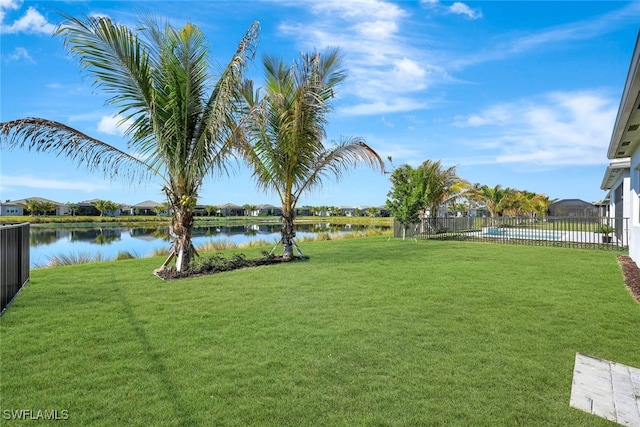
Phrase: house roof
(230,206)
(615,168)
(39,199)
(626,131)
(148,204)
(575,202)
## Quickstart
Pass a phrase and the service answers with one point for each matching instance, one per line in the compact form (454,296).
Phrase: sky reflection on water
(142,241)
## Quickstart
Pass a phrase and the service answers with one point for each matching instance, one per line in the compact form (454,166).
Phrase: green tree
(249,209)
(33,206)
(493,198)
(104,206)
(161,208)
(210,209)
(406,199)
(73,207)
(180,122)
(284,141)
(372,211)
(335,211)
(47,207)
(441,186)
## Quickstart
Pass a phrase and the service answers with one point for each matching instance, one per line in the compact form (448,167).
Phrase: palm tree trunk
(182,229)
(288,233)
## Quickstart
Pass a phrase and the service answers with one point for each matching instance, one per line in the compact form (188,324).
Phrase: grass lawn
(368,332)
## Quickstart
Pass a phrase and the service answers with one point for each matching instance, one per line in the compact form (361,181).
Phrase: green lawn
(368,332)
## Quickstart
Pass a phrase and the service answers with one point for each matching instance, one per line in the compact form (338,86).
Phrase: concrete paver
(607,389)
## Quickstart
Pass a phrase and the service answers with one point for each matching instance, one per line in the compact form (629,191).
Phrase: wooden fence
(14,261)
(582,232)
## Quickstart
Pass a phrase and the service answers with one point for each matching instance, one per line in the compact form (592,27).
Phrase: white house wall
(634,207)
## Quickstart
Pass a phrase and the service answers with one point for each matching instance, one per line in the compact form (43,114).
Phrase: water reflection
(108,241)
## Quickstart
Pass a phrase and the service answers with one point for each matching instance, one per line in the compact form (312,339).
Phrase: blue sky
(522,94)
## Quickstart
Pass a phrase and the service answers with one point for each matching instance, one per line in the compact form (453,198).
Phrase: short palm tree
(284,142)
(493,198)
(441,186)
(180,123)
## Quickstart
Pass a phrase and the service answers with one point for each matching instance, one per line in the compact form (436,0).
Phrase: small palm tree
(441,185)
(284,140)
(105,206)
(73,207)
(181,126)
(33,206)
(491,197)
(210,209)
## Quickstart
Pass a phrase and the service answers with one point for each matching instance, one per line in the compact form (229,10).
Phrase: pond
(107,242)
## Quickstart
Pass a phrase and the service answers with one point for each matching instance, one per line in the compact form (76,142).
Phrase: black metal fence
(580,232)
(14,261)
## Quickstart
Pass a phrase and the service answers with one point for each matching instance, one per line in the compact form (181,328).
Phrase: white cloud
(18,54)
(385,69)
(111,125)
(580,30)
(559,128)
(394,105)
(31,22)
(52,184)
(459,8)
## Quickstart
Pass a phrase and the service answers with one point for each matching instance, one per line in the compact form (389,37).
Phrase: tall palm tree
(180,123)
(284,142)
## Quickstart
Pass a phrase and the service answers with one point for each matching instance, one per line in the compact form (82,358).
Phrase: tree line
(422,192)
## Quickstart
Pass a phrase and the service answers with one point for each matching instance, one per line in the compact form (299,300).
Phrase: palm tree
(180,124)
(104,205)
(210,209)
(441,186)
(492,197)
(33,206)
(73,207)
(284,142)
(249,209)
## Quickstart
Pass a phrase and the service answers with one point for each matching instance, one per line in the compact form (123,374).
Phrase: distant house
(350,211)
(88,208)
(11,209)
(573,208)
(145,208)
(60,208)
(269,210)
(229,209)
(304,211)
(622,177)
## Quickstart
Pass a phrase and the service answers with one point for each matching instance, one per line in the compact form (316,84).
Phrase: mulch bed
(220,265)
(631,274)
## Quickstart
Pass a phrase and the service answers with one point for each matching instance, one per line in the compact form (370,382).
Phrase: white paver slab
(607,389)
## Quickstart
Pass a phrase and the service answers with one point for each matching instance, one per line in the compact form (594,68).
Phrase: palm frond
(116,57)
(335,161)
(48,136)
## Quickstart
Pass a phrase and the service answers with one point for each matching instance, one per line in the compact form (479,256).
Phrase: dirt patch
(631,274)
(217,264)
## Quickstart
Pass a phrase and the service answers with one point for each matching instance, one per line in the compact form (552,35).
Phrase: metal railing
(14,261)
(581,232)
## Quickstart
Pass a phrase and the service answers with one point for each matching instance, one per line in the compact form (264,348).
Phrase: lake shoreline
(93,221)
